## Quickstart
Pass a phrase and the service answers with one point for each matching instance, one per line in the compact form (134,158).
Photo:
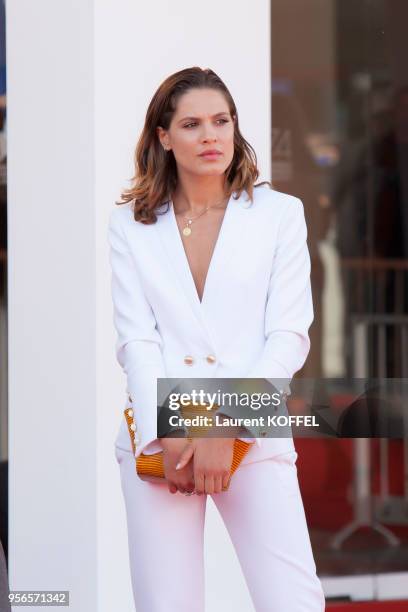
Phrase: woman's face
(201,122)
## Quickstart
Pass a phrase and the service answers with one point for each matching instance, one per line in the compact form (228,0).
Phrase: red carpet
(378,606)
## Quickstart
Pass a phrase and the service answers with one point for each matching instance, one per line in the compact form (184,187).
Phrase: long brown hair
(155,177)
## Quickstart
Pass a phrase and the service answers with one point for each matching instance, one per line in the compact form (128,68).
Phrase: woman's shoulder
(122,215)
(120,212)
(275,202)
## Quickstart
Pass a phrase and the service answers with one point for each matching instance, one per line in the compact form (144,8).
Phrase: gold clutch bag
(150,467)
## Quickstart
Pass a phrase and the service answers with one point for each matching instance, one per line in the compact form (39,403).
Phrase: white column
(80,76)
(52,300)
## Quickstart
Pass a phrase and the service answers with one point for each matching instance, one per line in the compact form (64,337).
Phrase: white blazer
(253,319)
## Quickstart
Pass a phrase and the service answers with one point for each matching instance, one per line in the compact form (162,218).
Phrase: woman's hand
(212,459)
(177,480)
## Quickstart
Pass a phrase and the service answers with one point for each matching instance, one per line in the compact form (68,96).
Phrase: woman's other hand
(212,459)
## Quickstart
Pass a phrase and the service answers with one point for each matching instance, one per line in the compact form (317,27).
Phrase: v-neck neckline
(215,252)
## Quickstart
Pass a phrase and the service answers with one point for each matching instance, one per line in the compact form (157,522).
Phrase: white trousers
(263,513)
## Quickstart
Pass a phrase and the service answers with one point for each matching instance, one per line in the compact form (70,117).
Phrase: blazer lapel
(228,242)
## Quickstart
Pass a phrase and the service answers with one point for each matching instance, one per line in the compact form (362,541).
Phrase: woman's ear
(163,138)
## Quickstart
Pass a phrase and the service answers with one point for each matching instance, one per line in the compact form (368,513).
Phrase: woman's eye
(188,125)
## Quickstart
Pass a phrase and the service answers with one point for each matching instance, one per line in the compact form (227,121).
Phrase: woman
(210,279)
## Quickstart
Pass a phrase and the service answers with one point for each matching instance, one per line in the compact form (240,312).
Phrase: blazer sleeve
(289,307)
(138,345)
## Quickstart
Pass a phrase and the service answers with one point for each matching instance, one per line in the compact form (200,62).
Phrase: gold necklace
(189,220)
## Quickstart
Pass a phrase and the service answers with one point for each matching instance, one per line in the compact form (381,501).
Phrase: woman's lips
(210,155)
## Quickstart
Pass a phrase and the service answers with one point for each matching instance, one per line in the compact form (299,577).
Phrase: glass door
(340,144)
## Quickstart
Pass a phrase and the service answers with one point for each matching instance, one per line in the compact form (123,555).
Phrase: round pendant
(186,231)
